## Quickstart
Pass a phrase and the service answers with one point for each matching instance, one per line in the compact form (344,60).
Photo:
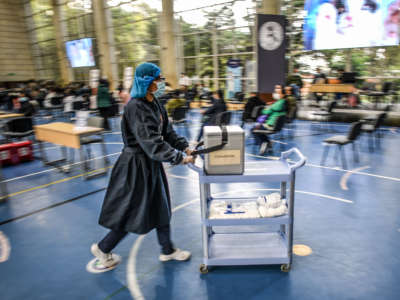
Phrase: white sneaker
(178,254)
(108,260)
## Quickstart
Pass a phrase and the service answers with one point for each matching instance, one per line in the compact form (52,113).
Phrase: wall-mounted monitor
(334,24)
(80,53)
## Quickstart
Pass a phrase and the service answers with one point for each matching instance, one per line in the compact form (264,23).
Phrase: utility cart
(250,248)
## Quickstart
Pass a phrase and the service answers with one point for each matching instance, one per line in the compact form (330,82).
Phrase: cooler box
(8,155)
(24,150)
(230,159)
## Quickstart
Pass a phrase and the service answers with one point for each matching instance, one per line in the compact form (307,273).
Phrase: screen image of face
(335,24)
(80,53)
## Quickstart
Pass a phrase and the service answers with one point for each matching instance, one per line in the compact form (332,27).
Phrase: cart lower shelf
(247,249)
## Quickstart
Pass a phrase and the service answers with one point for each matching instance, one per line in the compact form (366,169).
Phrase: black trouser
(260,137)
(104,114)
(114,237)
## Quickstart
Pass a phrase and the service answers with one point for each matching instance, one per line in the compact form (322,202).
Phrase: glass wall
(44,39)
(135,25)
(226,24)
(78,18)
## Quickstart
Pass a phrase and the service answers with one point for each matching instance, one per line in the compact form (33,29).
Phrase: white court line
(131,278)
(355,172)
(332,168)
(55,169)
(392,129)
(345,177)
(131,265)
(58,147)
(4,247)
(48,148)
(279,142)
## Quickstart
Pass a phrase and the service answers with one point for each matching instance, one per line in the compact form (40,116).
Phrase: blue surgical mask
(160,89)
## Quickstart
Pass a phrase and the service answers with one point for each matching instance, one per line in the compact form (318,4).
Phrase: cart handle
(299,163)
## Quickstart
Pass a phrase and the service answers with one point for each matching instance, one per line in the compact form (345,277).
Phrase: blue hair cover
(145,74)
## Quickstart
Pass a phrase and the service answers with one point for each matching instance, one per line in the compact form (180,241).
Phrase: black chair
(257,112)
(57,102)
(340,141)
(114,113)
(179,115)
(57,107)
(178,118)
(18,128)
(373,129)
(325,114)
(239,96)
(280,122)
(223,118)
(252,115)
(77,105)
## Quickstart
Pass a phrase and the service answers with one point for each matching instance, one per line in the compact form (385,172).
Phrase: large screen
(333,24)
(80,53)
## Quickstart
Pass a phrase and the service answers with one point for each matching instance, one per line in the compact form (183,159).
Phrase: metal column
(204,195)
(105,41)
(167,39)
(214,38)
(60,33)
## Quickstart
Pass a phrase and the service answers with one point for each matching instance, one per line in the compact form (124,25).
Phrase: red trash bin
(8,155)
(24,150)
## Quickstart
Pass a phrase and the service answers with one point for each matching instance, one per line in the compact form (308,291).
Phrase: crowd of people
(33,96)
(149,139)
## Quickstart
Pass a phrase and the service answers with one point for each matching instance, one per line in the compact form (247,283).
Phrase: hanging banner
(271,49)
(234,77)
(128,78)
(94,76)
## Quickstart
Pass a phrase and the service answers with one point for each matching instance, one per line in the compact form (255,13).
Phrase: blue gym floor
(350,220)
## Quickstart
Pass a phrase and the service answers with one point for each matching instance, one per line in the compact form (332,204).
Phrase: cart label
(225,157)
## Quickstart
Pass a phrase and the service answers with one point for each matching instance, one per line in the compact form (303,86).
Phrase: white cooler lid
(216,130)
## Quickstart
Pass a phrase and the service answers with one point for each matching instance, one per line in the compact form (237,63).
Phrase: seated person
(47,99)
(251,103)
(271,114)
(339,96)
(69,100)
(26,108)
(204,92)
(319,78)
(15,104)
(296,82)
(210,114)
(290,99)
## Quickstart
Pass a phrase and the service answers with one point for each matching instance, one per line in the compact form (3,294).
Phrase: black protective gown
(137,198)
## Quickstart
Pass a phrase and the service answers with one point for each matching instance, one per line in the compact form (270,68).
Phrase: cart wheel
(203,269)
(285,268)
